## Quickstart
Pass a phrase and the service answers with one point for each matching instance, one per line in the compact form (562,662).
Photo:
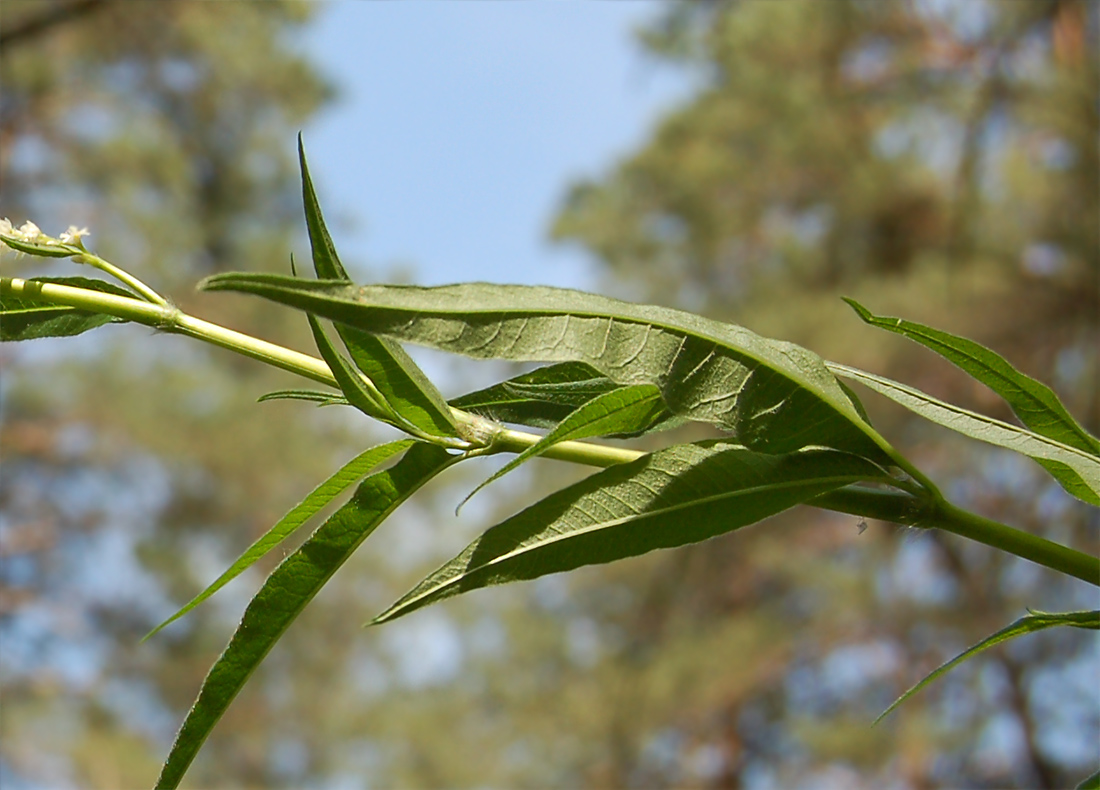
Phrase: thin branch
(38,24)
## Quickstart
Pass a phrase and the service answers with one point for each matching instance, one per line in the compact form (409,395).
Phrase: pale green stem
(925,511)
(122,276)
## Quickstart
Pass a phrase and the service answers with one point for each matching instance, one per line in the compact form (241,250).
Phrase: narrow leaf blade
(400,380)
(622,410)
(298,515)
(290,587)
(22,318)
(1076,470)
(1033,402)
(547,395)
(325,260)
(682,494)
(319,397)
(1032,622)
(354,388)
(406,389)
(774,396)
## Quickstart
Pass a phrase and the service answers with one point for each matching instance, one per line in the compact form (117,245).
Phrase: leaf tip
(861,311)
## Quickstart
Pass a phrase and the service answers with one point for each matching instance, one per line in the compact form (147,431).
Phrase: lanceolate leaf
(774,396)
(319,397)
(405,387)
(1034,621)
(360,394)
(682,494)
(290,587)
(1075,469)
(25,319)
(546,396)
(330,489)
(325,260)
(1034,403)
(623,410)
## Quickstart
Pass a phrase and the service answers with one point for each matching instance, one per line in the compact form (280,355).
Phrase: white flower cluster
(29,233)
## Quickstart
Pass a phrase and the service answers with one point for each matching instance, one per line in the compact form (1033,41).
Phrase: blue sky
(460,125)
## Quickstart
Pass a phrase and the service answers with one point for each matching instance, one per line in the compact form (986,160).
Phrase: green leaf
(1032,622)
(360,393)
(26,319)
(1092,783)
(42,250)
(325,260)
(290,587)
(623,410)
(774,396)
(404,386)
(319,397)
(1075,469)
(406,389)
(1033,402)
(682,494)
(546,396)
(298,515)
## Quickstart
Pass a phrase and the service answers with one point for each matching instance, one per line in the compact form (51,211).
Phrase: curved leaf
(1032,622)
(290,587)
(1033,402)
(25,319)
(682,494)
(774,396)
(623,410)
(1075,469)
(296,517)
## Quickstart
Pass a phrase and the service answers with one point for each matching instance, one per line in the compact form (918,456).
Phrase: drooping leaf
(319,397)
(290,587)
(774,396)
(297,516)
(1033,402)
(23,318)
(682,494)
(1076,470)
(547,395)
(406,389)
(627,409)
(1032,622)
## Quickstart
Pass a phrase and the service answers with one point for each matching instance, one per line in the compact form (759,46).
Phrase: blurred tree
(935,160)
(129,469)
(938,161)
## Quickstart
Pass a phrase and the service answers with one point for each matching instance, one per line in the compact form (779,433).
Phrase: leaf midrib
(792,485)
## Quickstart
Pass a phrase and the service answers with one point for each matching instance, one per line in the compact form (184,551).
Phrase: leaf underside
(682,494)
(773,396)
